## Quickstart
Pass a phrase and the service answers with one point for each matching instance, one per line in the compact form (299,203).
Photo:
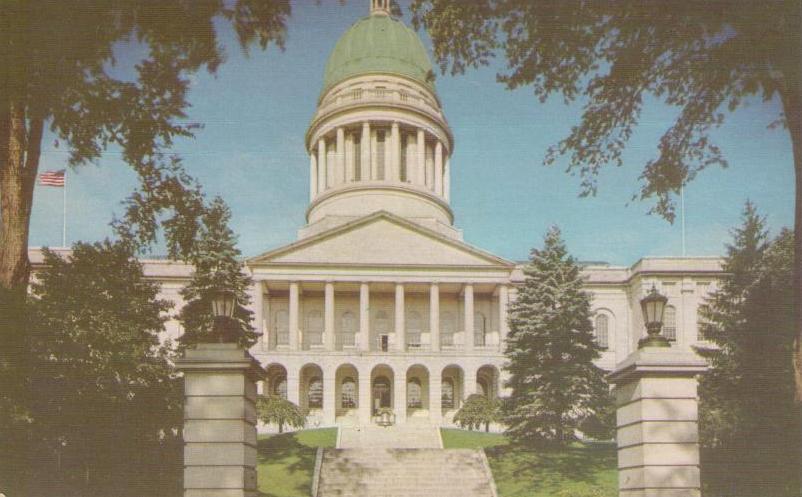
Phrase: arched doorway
(452,388)
(346,390)
(381,388)
(311,388)
(487,381)
(276,381)
(417,391)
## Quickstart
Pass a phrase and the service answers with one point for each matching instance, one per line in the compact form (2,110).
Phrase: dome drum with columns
(379,139)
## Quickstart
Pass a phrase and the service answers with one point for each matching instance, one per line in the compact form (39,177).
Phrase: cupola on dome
(379,44)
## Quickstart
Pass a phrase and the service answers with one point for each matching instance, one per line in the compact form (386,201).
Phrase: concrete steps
(379,472)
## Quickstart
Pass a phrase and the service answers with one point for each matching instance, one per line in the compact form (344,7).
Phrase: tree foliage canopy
(746,409)
(217,266)
(273,409)
(697,56)
(551,349)
(478,410)
(106,403)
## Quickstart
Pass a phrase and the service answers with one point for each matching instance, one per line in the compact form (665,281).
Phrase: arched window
(447,328)
(348,393)
(447,397)
(670,323)
(479,329)
(414,394)
(347,329)
(314,327)
(282,327)
(314,395)
(602,330)
(482,387)
(414,329)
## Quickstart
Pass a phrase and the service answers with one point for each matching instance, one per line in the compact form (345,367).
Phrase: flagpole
(64,212)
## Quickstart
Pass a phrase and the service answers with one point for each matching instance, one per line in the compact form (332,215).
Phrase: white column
(364,316)
(468,296)
(294,308)
(339,170)
(294,385)
(363,408)
(364,144)
(421,162)
(329,399)
(321,165)
(400,336)
(395,154)
(438,168)
(400,396)
(447,179)
(257,300)
(503,300)
(656,419)
(434,316)
(470,381)
(266,328)
(312,175)
(328,312)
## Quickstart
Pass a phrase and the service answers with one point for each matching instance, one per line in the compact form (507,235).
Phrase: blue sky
(256,110)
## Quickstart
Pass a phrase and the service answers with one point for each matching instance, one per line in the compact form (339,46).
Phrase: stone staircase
(382,472)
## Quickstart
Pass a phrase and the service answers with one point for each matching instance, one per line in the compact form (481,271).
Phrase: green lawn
(577,471)
(286,462)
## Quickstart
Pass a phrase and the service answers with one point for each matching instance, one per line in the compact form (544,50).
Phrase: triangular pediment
(381,239)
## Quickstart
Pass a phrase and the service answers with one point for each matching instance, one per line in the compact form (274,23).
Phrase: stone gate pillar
(656,419)
(219,420)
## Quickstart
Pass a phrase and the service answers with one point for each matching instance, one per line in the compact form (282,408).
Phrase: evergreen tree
(274,409)
(217,266)
(478,410)
(746,412)
(106,412)
(550,350)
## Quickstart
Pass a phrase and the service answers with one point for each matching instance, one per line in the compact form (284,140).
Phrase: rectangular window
(357,157)
(670,323)
(380,155)
(403,159)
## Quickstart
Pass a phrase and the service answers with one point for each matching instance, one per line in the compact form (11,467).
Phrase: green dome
(378,44)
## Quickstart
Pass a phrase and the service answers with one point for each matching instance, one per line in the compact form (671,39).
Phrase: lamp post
(223,304)
(652,306)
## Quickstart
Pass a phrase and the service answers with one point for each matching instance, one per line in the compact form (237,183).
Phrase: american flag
(52,178)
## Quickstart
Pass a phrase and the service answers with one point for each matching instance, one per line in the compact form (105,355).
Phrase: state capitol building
(379,303)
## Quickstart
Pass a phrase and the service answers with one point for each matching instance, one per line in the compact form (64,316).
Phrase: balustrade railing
(377,94)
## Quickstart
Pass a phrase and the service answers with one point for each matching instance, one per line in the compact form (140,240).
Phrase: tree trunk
(280,427)
(20,142)
(792,107)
